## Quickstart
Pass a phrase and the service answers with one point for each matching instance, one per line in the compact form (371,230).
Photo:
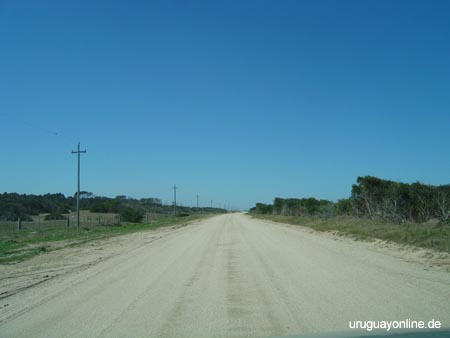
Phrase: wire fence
(40,224)
(88,220)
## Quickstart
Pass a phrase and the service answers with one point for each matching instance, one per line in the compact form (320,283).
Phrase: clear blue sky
(237,101)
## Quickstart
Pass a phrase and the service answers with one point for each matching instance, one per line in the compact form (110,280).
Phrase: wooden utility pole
(175,199)
(78,152)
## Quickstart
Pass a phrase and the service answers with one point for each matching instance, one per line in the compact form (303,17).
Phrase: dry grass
(19,245)
(431,235)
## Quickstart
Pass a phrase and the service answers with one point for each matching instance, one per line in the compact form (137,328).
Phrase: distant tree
(150,201)
(299,206)
(344,207)
(262,208)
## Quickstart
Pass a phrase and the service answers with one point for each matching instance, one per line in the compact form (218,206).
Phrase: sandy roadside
(429,259)
(19,276)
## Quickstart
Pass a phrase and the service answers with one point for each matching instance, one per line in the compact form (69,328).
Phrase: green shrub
(131,215)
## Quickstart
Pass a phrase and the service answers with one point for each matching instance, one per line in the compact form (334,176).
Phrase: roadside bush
(131,215)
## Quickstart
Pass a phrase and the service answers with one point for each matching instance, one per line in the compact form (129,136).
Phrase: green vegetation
(16,246)
(372,198)
(13,206)
(415,214)
(399,202)
(295,207)
(425,235)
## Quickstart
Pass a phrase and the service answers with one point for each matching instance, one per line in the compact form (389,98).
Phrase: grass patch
(425,235)
(17,246)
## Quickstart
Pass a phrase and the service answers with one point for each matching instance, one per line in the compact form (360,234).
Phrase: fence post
(99,220)
(68,221)
(19,224)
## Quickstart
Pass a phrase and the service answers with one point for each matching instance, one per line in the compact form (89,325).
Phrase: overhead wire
(36,126)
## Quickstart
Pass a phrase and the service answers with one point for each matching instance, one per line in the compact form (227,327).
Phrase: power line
(78,152)
(37,127)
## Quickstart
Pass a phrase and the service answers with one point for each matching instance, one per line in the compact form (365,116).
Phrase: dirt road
(228,276)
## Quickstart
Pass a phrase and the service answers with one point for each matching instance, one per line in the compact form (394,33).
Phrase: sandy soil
(228,276)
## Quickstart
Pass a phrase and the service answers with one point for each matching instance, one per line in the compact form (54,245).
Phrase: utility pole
(211,203)
(197,201)
(78,152)
(175,199)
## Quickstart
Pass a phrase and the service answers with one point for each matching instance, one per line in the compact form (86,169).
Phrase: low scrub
(431,235)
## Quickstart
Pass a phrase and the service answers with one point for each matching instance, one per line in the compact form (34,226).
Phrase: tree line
(13,206)
(295,207)
(374,198)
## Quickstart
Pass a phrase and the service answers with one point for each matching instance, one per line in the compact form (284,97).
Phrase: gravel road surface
(227,276)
